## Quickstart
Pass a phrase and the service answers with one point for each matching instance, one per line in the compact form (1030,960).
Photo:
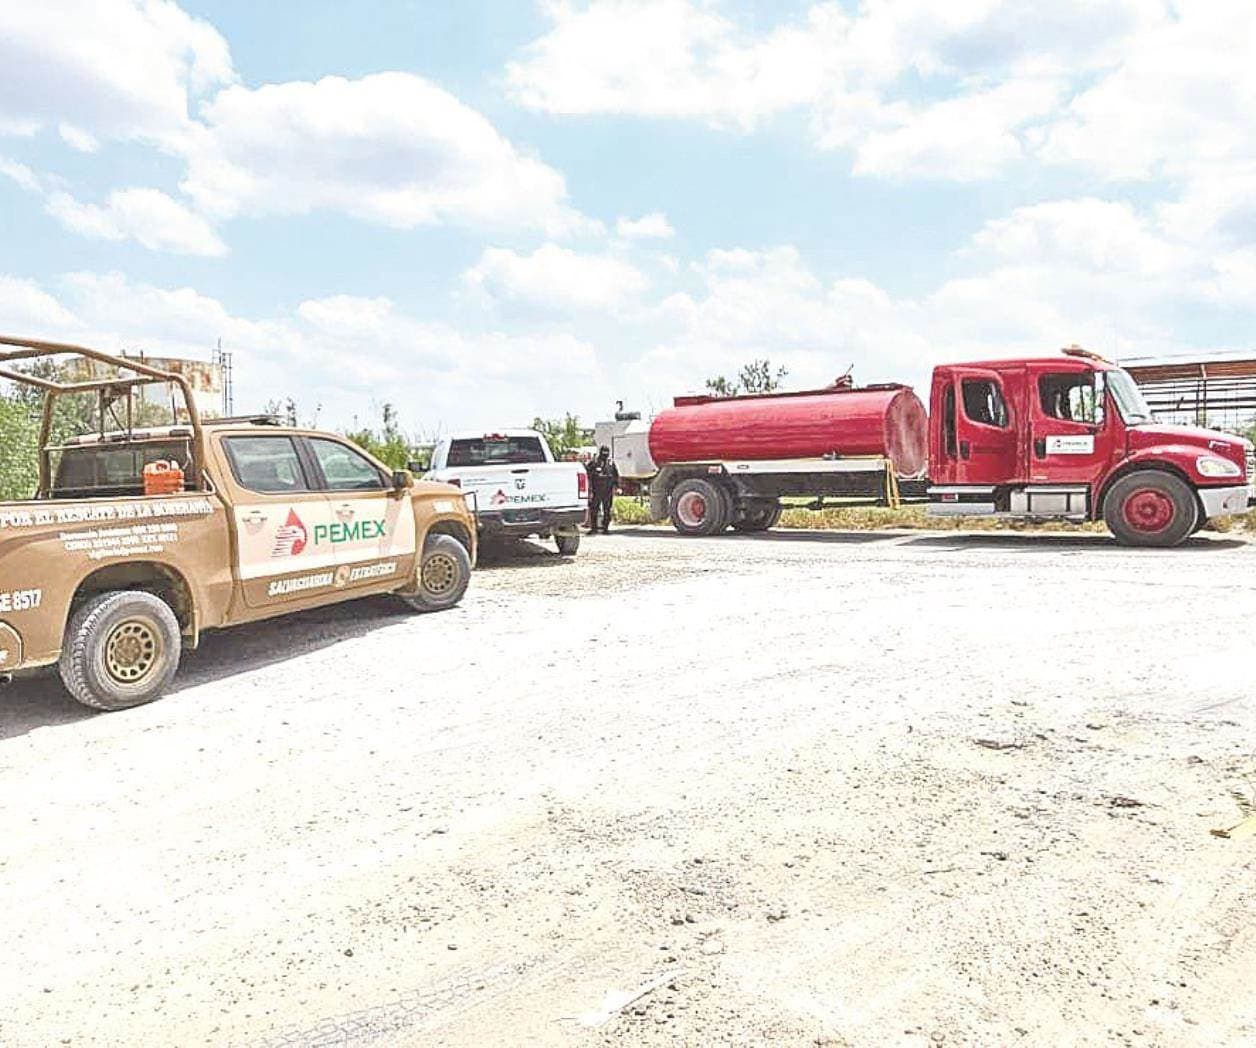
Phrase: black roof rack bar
(256,420)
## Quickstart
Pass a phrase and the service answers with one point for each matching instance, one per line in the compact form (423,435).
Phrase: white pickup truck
(514,486)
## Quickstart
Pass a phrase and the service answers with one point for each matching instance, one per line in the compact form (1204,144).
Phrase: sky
(490,210)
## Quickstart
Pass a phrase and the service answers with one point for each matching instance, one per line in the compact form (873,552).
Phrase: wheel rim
(691,509)
(1148,511)
(133,651)
(440,574)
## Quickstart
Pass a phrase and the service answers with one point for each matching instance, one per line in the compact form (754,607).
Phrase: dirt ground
(868,789)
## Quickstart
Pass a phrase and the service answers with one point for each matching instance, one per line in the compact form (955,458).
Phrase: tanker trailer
(711,462)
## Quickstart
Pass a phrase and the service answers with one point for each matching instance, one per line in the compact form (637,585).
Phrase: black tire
(699,507)
(1151,508)
(761,518)
(121,649)
(568,545)
(443,576)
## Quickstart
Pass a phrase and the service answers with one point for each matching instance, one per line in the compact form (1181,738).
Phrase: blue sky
(484,211)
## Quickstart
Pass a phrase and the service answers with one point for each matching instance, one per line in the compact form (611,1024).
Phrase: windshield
(1128,397)
(494,451)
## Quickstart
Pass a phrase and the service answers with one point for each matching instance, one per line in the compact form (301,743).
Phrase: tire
(443,576)
(1151,508)
(762,518)
(699,507)
(567,544)
(121,649)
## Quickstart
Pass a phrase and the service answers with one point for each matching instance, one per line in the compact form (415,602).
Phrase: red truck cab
(1071,437)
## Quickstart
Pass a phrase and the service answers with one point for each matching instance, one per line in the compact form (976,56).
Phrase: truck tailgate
(549,485)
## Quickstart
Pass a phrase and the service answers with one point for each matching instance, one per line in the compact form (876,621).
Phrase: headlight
(1211,466)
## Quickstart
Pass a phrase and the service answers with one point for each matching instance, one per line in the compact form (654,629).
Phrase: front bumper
(1221,502)
(529,521)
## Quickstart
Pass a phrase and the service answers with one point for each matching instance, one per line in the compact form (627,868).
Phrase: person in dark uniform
(603,480)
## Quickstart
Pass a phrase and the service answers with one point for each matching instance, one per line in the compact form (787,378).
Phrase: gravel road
(794,789)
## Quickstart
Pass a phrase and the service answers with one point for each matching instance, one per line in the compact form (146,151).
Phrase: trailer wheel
(443,575)
(699,507)
(1151,508)
(121,649)
(761,518)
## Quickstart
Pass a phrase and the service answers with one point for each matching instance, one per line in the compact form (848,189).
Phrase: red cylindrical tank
(889,421)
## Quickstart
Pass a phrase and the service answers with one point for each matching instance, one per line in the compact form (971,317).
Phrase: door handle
(345,511)
(965,450)
(254,517)
(1040,447)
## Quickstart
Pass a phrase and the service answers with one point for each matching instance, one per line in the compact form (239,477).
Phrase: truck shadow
(1030,542)
(823,537)
(521,553)
(41,702)
(1018,540)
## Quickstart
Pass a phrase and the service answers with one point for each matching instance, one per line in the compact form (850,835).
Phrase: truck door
(371,531)
(1070,433)
(277,506)
(984,442)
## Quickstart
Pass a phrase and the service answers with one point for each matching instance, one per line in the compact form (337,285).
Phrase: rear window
(108,470)
(266,464)
(496,451)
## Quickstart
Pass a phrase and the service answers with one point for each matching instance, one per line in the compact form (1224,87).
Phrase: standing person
(603,480)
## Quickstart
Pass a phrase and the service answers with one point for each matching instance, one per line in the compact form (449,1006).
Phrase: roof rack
(239,420)
(113,388)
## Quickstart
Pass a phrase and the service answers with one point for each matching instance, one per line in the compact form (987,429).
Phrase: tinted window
(493,451)
(983,402)
(346,469)
(1070,396)
(266,464)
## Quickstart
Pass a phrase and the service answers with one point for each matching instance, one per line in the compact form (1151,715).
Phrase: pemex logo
(500,499)
(290,539)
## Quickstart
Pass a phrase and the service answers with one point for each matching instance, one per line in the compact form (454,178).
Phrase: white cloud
(147,216)
(913,87)
(668,58)
(29,309)
(390,148)
(653,226)
(556,278)
(344,354)
(973,136)
(21,174)
(107,69)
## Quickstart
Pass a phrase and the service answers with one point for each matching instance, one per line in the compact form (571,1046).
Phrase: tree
(756,377)
(285,410)
(19,449)
(565,436)
(388,443)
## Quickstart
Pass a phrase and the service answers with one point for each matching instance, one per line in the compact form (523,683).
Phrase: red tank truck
(1059,437)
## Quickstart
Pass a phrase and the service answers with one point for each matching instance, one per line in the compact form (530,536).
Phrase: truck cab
(1070,437)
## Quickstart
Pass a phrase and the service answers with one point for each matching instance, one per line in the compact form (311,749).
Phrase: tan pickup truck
(112,584)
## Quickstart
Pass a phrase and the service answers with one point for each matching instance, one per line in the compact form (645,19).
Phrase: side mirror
(415,466)
(402,480)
